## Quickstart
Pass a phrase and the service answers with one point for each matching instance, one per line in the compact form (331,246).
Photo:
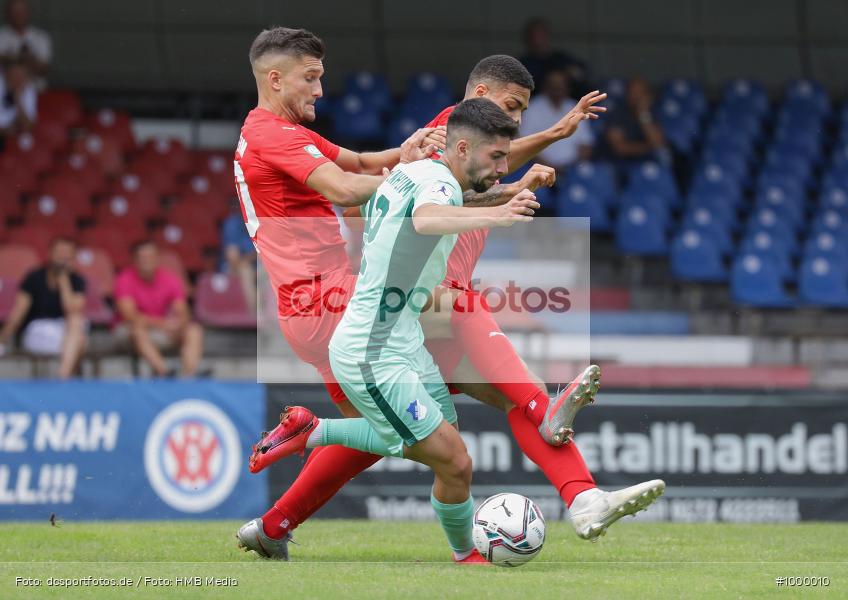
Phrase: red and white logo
(192,456)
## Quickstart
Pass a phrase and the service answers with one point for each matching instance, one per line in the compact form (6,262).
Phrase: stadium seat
(746,94)
(830,221)
(116,242)
(827,245)
(181,240)
(8,291)
(680,127)
(51,134)
(148,174)
(38,154)
(400,129)
(37,237)
(354,119)
(80,172)
(697,258)
(220,302)
(789,206)
(121,211)
(823,282)
(711,226)
(167,154)
(95,265)
(170,260)
(763,245)
(16,174)
(756,281)
(60,106)
(574,200)
(597,177)
(104,152)
(807,95)
(51,212)
(16,260)
(198,192)
(688,92)
(112,125)
(371,87)
(69,198)
(10,204)
(765,219)
(96,309)
(834,197)
(654,177)
(640,233)
(200,220)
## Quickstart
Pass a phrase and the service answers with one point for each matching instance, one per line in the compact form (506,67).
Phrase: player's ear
(462,148)
(481,89)
(275,80)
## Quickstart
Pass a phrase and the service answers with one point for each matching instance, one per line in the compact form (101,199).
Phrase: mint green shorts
(402,397)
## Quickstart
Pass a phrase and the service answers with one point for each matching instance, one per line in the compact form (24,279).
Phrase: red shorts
(309,336)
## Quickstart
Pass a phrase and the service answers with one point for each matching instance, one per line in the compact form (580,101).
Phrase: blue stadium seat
(656,204)
(680,126)
(788,204)
(354,119)
(400,129)
(827,245)
(807,95)
(371,87)
(651,176)
(745,95)
(431,90)
(615,87)
(695,257)
(774,176)
(575,200)
(839,157)
(829,221)
(713,178)
(756,281)
(784,167)
(732,161)
(745,126)
(598,177)
(834,197)
(711,225)
(688,92)
(782,232)
(640,233)
(823,282)
(762,244)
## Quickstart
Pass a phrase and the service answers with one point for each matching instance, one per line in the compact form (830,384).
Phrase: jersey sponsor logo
(496,333)
(289,128)
(313,151)
(192,456)
(417,410)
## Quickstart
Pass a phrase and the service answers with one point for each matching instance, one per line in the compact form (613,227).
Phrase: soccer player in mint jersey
(377,352)
(284,172)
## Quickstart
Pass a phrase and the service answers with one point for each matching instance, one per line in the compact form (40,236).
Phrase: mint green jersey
(400,267)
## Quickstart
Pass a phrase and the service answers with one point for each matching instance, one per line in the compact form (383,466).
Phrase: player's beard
(481,184)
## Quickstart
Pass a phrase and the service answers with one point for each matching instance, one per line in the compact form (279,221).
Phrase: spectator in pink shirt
(154,313)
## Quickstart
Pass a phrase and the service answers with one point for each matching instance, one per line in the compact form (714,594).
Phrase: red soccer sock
(494,356)
(326,470)
(563,465)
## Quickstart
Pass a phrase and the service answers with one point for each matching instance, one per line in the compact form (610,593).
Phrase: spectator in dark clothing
(540,58)
(18,100)
(20,41)
(632,135)
(49,310)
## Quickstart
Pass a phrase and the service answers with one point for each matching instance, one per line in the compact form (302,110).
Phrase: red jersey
(469,244)
(294,228)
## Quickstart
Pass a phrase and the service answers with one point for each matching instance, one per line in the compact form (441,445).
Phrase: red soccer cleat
(475,558)
(287,438)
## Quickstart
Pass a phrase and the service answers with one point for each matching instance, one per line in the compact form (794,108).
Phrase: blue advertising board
(130,450)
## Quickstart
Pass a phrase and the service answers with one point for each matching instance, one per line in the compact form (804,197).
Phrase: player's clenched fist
(538,176)
(418,146)
(520,209)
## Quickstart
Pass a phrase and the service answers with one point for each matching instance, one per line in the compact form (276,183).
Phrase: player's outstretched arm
(340,187)
(418,146)
(439,219)
(527,147)
(501,193)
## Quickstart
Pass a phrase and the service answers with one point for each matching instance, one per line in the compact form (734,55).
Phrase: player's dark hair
(482,116)
(502,69)
(283,40)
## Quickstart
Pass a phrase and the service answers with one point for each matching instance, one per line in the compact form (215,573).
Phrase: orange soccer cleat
(287,438)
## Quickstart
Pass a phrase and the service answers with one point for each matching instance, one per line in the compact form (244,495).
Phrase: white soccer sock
(314,439)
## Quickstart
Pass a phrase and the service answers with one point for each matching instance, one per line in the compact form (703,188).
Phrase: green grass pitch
(402,561)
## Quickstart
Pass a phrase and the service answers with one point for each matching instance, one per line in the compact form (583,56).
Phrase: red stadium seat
(220,302)
(80,172)
(16,260)
(200,193)
(104,153)
(51,134)
(96,309)
(218,167)
(97,267)
(37,153)
(60,106)
(136,191)
(10,204)
(172,261)
(116,242)
(150,174)
(169,154)
(119,210)
(69,198)
(58,213)
(199,220)
(16,174)
(112,125)
(184,241)
(8,291)
(36,237)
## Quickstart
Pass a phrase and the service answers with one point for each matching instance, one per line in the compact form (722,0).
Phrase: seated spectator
(239,254)
(547,109)
(632,135)
(19,41)
(153,312)
(18,100)
(49,307)
(540,59)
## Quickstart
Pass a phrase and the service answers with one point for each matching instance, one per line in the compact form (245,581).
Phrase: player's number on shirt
(373,222)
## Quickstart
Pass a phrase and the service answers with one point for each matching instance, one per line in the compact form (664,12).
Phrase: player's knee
(461,468)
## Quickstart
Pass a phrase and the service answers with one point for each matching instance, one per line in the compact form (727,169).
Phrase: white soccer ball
(509,530)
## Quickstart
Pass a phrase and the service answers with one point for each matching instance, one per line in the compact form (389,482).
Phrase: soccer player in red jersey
(287,176)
